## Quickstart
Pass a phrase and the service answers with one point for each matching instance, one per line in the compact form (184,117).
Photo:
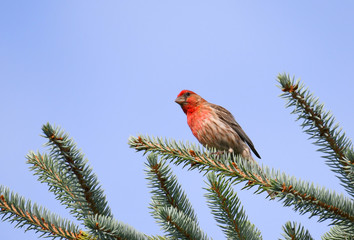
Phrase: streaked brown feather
(228,119)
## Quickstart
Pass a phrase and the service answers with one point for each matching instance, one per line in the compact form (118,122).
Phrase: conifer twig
(321,127)
(294,231)
(165,188)
(170,204)
(59,182)
(227,210)
(16,209)
(64,151)
(302,195)
(178,225)
(338,232)
(203,160)
(158,238)
(109,229)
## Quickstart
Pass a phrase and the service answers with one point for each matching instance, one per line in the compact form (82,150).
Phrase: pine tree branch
(107,228)
(338,232)
(320,125)
(202,160)
(158,238)
(227,210)
(65,153)
(167,193)
(58,180)
(17,210)
(302,195)
(178,225)
(294,231)
(165,188)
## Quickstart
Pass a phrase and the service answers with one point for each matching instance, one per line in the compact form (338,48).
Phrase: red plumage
(214,126)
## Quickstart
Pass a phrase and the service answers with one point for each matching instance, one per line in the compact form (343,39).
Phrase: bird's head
(189,101)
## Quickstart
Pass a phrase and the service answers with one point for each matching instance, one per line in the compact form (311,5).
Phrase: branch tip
(291,88)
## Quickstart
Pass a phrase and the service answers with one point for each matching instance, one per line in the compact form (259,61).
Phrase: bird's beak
(180,100)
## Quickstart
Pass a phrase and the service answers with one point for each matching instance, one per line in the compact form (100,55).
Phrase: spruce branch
(158,238)
(167,193)
(165,188)
(68,157)
(338,232)
(178,225)
(306,198)
(190,155)
(227,210)
(321,127)
(16,209)
(58,180)
(105,227)
(294,231)
(303,196)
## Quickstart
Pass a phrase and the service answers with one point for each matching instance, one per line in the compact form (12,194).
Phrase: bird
(214,126)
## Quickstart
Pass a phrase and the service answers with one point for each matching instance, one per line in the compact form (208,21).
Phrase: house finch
(214,126)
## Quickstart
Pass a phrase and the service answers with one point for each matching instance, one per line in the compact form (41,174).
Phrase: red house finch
(214,126)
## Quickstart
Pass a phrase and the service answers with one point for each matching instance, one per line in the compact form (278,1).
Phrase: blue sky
(106,70)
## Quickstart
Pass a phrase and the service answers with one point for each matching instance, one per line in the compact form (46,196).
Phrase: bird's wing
(228,119)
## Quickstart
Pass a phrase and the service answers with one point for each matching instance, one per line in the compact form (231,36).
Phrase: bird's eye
(187,94)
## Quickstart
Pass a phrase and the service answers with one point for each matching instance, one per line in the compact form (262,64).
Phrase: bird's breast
(212,132)
(197,121)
